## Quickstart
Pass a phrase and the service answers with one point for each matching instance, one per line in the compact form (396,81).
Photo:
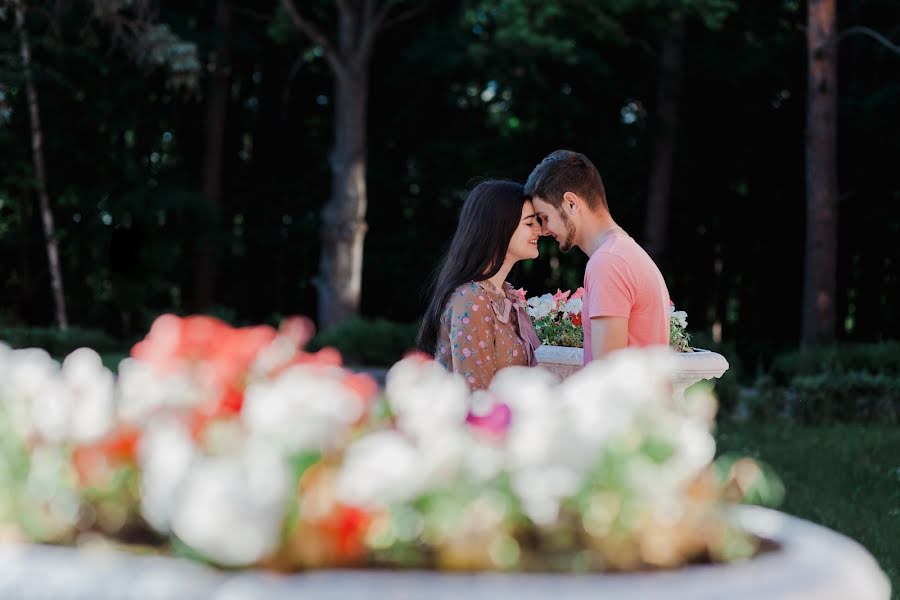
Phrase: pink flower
(466,320)
(467,353)
(475,307)
(493,424)
(521,297)
(560,297)
(578,293)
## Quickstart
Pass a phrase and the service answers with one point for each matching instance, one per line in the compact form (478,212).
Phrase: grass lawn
(846,477)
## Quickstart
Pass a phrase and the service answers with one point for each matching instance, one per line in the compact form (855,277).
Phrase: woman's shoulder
(466,295)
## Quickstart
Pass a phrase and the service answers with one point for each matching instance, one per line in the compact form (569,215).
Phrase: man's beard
(567,244)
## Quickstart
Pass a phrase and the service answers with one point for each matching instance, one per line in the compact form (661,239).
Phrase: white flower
(538,445)
(426,398)
(305,408)
(679,315)
(142,391)
(166,453)
(574,306)
(30,376)
(78,405)
(540,306)
(379,469)
(231,508)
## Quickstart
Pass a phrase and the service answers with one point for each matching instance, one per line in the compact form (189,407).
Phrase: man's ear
(570,202)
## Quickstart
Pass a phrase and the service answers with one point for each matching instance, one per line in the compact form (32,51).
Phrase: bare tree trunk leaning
(40,173)
(820,277)
(668,102)
(213,166)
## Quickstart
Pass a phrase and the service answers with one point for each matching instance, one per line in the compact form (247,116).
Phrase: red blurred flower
(94,462)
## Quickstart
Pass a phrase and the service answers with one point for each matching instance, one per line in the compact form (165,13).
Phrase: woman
(476,324)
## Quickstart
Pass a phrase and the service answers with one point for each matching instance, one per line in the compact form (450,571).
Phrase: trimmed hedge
(371,343)
(60,343)
(842,383)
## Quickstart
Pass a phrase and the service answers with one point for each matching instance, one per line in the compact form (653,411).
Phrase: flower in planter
(254,452)
(48,412)
(679,338)
(231,416)
(557,318)
(558,322)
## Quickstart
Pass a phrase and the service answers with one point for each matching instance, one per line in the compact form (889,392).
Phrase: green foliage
(59,343)
(557,329)
(840,383)
(873,358)
(855,396)
(364,342)
(841,476)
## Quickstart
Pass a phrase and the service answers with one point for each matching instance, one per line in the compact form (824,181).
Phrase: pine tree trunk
(669,93)
(213,166)
(820,277)
(344,215)
(343,218)
(40,173)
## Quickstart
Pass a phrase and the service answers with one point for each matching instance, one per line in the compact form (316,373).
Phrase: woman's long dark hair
(488,219)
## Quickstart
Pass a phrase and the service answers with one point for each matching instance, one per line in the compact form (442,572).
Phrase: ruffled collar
(503,303)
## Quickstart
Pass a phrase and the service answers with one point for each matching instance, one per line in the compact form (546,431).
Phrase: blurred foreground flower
(243,449)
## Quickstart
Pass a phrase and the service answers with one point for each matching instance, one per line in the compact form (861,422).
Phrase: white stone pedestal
(692,366)
(811,563)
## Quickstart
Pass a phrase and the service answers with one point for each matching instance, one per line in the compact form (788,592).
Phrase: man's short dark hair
(566,171)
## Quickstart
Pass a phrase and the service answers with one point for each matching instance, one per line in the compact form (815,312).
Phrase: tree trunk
(40,173)
(343,218)
(217,107)
(669,93)
(820,278)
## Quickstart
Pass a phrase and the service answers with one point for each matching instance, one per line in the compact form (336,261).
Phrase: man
(626,302)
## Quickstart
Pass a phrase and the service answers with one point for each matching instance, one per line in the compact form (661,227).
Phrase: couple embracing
(476,324)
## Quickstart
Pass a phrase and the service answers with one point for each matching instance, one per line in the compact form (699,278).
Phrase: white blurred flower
(231,508)
(305,408)
(30,376)
(165,454)
(142,391)
(425,398)
(5,356)
(538,446)
(78,405)
(379,469)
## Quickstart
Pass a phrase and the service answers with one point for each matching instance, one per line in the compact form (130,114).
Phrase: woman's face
(523,244)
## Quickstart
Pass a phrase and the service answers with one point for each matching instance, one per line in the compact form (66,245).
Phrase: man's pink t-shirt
(621,280)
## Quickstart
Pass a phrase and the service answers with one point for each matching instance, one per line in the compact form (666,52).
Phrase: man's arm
(608,334)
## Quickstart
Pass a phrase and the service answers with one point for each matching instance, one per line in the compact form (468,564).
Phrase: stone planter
(692,366)
(811,563)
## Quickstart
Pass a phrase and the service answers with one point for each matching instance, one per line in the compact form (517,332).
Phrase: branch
(379,21)
(872,34)
(404,16)
(315,35)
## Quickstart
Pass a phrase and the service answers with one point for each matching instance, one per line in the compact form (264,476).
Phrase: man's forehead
(541,205)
